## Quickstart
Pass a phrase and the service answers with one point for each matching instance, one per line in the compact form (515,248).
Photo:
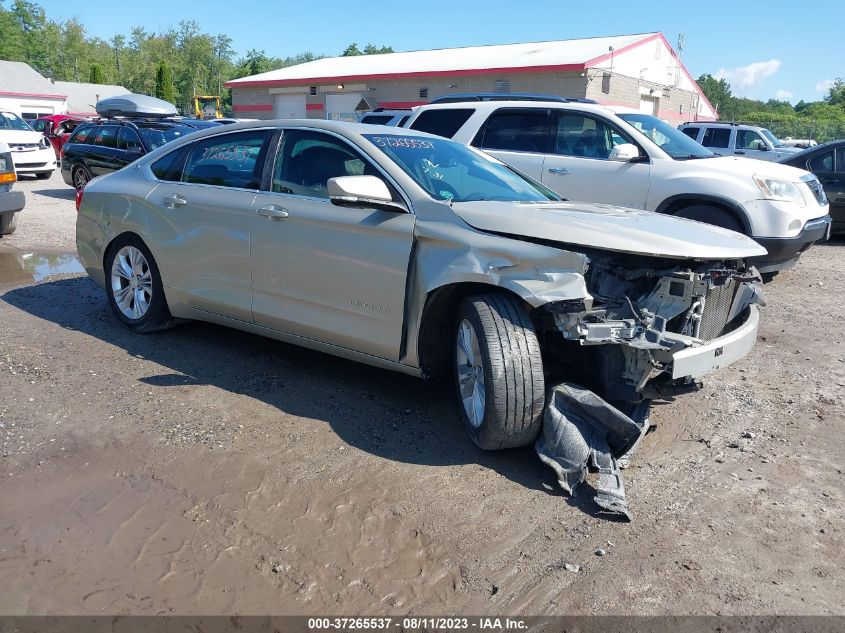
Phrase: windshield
(455,172)
(774,140)
(670,139)
(9,121)
(156,137)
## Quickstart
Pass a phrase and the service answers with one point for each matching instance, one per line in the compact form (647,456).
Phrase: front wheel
(134,288)
(711,215)
(8,223)
(498,372)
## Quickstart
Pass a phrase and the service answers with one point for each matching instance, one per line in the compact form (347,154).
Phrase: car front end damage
(660,325)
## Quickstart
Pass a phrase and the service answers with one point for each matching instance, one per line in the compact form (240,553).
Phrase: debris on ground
(583,433)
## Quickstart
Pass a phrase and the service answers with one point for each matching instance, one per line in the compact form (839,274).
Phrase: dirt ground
(203,471)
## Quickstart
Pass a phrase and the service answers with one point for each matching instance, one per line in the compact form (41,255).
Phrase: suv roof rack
(387,110)
(712,123)
(506,96)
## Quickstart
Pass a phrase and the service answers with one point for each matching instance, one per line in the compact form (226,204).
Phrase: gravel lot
(203,471)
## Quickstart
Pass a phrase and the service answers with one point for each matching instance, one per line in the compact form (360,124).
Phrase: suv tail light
(79,193)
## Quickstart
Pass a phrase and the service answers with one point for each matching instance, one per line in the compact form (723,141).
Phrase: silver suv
(738,139)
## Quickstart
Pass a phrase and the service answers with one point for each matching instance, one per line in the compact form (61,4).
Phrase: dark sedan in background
(827,162)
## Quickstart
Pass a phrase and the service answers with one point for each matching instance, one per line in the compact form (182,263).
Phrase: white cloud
(824,86)
(743,78)
(783,95)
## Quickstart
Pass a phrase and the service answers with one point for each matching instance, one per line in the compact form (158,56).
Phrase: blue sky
(776,49)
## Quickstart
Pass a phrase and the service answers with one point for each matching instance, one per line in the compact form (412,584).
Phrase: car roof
(489,106)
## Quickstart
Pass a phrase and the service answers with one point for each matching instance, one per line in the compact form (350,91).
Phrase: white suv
(623,157)
(32,153)
(750,141)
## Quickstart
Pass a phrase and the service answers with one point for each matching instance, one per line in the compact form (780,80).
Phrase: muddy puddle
(19,267)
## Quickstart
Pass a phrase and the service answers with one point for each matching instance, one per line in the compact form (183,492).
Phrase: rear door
(320,271)
(200,219)
(129,146)
(577,166)
(102,154)
(829,168)
(519,137)
(718,139)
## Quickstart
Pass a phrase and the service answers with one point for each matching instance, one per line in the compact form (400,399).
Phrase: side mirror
(624,153)
(362,192)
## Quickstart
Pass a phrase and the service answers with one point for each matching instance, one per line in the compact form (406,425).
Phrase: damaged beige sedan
(419,254)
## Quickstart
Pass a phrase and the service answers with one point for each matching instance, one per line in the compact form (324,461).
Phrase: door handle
(273,212)
(562,171)
(171,202)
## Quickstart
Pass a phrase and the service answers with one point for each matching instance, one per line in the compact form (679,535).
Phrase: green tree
(96,75)
(836,93)
(164,83)
(370,49)
(352,50)
(717,91)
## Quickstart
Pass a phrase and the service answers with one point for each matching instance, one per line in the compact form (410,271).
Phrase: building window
(423,93)
(313,90)
(503,85)
(605,83)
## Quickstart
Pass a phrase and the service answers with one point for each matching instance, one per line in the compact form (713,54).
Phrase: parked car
(827,162)
(57,128)
(11,202)
(420,255)
(621,156)
(380,116)
(725,138)
(107,145)
(31,151)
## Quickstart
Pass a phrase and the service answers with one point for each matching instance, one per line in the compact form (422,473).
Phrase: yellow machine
(207,107)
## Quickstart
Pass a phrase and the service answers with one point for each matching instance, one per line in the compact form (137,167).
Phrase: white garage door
(290,107)
(341,107)
(648,105)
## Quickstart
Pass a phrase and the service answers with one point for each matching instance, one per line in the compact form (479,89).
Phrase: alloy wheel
(131,282)
(470,368)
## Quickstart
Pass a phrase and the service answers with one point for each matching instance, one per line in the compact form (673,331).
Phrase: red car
(57,128)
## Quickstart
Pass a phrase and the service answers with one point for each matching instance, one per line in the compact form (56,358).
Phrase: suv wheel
(134,288)
(710,214)
(81,176)
(498,372)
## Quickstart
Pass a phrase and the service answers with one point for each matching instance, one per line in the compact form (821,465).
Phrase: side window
(717,137)
(444,122)
(228,160)
(822,162)
(127,139)
(516,130)
(82,135)
(840,160)
(692,132)
(307,160)
(39,125)
(106,136)
(579,135)
(749,139)
(169,167)
(377,119)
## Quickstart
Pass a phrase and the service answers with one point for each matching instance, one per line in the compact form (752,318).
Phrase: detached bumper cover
(784,249)
(11,201)
(718,353)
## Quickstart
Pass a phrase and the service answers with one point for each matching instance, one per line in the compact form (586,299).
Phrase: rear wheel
(134,288)
(80,176)
(710,214)
(498,372)
(8,223)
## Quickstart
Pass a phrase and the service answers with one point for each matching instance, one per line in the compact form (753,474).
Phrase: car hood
(609,228)
(13,137)
(748,166)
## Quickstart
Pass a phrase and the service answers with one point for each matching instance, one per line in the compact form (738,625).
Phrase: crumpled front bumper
(698,359)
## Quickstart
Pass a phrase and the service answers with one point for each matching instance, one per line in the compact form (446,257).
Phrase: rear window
(377,119)
(82,135)
(692,132)
(106,136)
(442,122)
(154,137)
(716,137)
(516,130)
(169,167)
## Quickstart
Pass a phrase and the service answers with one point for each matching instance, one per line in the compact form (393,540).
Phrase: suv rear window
(516,130)
(692,132)
(716,137)
(82,135)
(442,122)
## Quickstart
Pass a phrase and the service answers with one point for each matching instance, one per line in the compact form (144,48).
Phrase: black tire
(157,316)
(80,176)
(711,215)
(514,387)
(8,223)
(44,175)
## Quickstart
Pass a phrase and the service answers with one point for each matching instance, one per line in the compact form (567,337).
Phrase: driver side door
(324,272)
